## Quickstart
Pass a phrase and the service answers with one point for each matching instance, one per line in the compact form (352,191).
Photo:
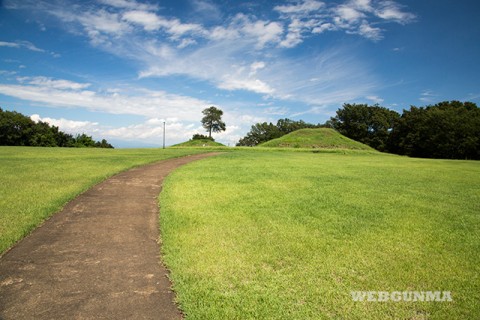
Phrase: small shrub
(198,136)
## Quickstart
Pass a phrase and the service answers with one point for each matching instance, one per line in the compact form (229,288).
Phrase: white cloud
(304,7)
(129,4)
(63,93)
(247,28)
(150,21)
(265,32)
(186,42)
(255,85)
(363,5)
(69,126)
(103,21)
(207,9)
(311,17)
(390,10)
(370,32)
(375,99)
(257,65)
(348,15)
(218,64)
(54,84)
(9,44)
(21,44)
(294,35)
(428,96)
(177,29)
(99,25)
(323,27)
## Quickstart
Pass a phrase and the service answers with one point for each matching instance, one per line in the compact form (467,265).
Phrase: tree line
(17,129)
(447,130)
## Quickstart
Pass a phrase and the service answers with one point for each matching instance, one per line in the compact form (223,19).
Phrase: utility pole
(163,134)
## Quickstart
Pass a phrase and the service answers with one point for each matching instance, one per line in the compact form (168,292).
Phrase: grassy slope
(315,138)
(199,143)
(36,182)
(283,235)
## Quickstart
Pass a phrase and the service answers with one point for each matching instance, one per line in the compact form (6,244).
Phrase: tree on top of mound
(212,120)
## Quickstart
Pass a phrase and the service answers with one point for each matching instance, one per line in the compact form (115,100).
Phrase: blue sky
(117,69)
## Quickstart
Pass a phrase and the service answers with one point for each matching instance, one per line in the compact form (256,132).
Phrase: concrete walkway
(96,259)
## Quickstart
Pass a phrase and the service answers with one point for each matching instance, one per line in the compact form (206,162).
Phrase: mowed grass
(37,182)
(280,235)
(319,138)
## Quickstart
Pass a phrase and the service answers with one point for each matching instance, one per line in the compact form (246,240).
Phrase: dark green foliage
(367,124)
(263,132)
(212,120)
(19,130)
(260,132)
(448,130)
(198,136)
(103,144)
(15,129)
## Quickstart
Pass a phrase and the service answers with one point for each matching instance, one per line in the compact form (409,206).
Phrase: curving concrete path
(96,259)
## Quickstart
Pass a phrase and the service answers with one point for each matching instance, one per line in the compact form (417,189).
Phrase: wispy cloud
(310,17)
(375,99)
(207,10)
(392,11)
(129,4)
(428,96)
(64,93)
(21,44)
(46,82)
(281,111)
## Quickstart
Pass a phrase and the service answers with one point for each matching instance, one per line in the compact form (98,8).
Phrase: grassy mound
(199,143)
(322,138)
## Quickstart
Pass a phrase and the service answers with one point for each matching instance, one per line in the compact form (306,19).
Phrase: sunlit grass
(283,235)
(37,182)
(318,138)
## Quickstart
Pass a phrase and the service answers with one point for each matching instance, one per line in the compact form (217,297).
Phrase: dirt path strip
(96,259)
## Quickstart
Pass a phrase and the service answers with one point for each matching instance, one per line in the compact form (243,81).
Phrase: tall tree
(367,124)
(212,120)
(449,130)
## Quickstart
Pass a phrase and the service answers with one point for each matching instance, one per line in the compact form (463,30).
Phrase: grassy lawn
(289,235)
(37,182)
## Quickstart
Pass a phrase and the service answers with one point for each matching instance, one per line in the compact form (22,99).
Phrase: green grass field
(262,234)
(320,138)
(289,235)
(37,182)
